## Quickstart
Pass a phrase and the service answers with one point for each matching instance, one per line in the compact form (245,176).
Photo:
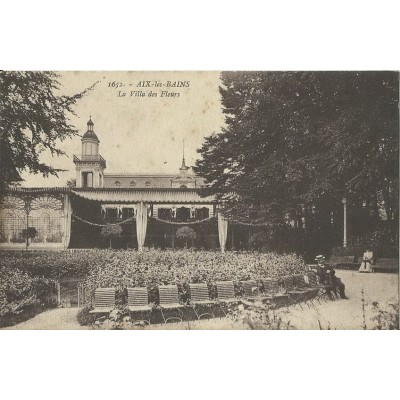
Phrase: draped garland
(101,225)
(155,218)
(247,223)
(170,222)
(183,223)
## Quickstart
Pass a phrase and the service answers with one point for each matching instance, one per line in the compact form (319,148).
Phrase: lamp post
(344,202)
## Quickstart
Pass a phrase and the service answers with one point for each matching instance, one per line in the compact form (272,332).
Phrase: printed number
(115,84)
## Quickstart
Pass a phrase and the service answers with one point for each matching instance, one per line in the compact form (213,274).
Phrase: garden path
(56,319)
(347,314)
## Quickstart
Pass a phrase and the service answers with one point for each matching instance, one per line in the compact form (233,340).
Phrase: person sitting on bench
(327,276)
(367,261)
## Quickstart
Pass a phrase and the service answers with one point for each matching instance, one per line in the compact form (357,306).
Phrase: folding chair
(199,297)
(169,300)
(251,289)
(272,290)
(289,285)
(138,302)
(226,293)
(270,286)
(301,285)
(104,300)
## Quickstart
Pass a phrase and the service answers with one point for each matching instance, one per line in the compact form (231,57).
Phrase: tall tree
(296,141)
(33,118)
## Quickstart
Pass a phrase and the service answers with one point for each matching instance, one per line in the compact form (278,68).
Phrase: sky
(138,134)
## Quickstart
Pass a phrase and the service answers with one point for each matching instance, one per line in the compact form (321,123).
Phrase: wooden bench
(169,300)
(343,261)
(138,302)
(199,296)
(386,264)
(104,300)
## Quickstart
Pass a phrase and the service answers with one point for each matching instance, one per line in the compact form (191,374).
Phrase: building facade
(149,208)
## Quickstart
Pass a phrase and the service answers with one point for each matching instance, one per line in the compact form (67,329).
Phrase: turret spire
(90,124)
(183,166)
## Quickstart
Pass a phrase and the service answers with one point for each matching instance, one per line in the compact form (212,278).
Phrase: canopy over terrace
(50,211)
(148,195)
(170,205)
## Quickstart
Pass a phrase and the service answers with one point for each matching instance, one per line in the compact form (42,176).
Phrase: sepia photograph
(199,200)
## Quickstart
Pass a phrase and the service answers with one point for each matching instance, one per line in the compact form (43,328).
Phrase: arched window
(148,183)
(117,183)
(183,187)
(133,183)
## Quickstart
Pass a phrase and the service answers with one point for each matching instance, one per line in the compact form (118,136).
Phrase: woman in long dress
(366,264)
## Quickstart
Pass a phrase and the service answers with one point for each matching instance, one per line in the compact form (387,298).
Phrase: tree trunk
(386,199)
(110,242)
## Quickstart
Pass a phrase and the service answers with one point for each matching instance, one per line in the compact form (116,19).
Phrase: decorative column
(27,200)
(344,201)
(155,210)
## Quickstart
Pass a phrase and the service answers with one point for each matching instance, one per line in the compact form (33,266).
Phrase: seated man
(328,277)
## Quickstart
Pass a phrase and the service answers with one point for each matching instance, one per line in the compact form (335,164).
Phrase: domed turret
(89,167)
(90,133)
(90,141)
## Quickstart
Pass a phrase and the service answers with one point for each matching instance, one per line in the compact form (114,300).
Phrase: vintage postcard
(199,200)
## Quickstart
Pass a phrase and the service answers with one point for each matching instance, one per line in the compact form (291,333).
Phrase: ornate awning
(151,195)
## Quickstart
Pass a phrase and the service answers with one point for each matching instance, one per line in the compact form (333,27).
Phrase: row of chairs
(266,289)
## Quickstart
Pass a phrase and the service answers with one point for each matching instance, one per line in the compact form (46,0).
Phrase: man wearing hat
(328,277)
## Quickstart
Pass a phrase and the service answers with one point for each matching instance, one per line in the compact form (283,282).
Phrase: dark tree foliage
(33,118)
(295,143)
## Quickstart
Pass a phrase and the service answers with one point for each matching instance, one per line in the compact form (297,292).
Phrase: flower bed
(122,269)
(128,269)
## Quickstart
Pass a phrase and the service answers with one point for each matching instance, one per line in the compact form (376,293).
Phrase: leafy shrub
(348,251)
(386,317)
(54,265)
(84,317)
(186,233)
(384,242)
(258,316)
(21,294)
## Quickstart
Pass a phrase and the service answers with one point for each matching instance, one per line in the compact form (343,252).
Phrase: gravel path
(57,319)
(347,314)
